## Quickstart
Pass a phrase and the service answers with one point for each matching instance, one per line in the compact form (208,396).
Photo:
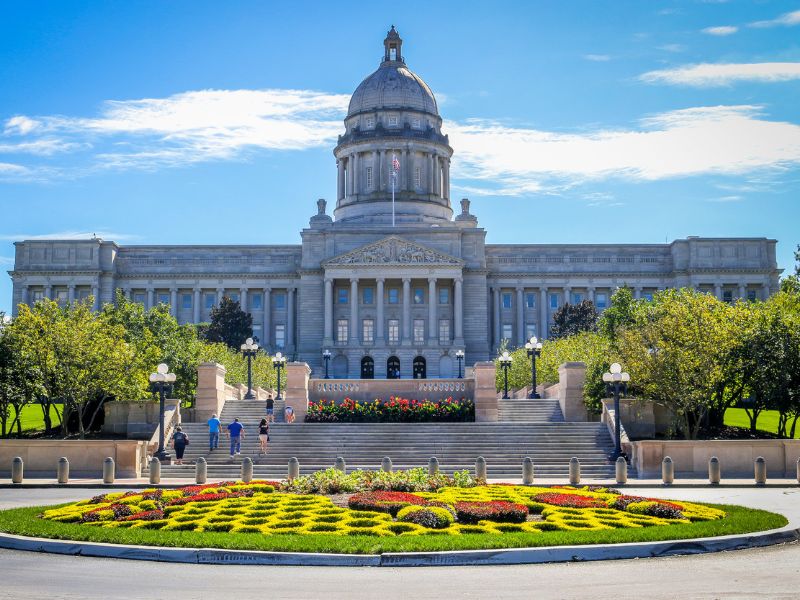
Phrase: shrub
(432,517)
(497,510)
(389,502)
(568,500)
(663,510)
(395,410)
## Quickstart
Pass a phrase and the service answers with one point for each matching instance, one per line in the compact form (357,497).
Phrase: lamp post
(505,363)
(278,361)
(161,382)
(460,359)
(534,348)
(616,381)
(249,349)
(326,356)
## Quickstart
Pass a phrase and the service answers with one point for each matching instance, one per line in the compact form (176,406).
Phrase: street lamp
(326,356)
(161,382)
(534,348)
(249,350)
(460,359)
(616,381)
(278,361)
(505,363)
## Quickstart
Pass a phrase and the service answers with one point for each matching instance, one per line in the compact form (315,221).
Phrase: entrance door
(367,368)
(393,368)
(419,368)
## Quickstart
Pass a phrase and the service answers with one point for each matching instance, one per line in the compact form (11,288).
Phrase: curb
(511,556)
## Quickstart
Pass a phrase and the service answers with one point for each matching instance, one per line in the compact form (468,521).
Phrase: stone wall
(135,420)
(86,457)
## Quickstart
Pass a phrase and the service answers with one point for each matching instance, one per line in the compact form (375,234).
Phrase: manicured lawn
(767,420)
(33,418)
(24,521)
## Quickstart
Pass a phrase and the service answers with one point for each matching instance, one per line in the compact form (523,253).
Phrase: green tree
(229,324)
(17,385)
(574,318)
(620,313)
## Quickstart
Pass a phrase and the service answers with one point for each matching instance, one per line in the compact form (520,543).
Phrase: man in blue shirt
(236,433)
(213,433)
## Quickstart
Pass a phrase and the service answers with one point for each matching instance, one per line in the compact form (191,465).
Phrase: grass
(767,420)
(24,521)
(33,418)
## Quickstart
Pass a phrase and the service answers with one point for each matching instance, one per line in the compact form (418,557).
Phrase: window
(727,296)
(342,295)
(280,300)
(394,331)
(530,300)
(751,296)
(83,294)
(394,296)
(36,296)
(648,296)
(419,331)
(506,331)
(392,121)
(554,301)
(369,178)
(163,298)
(577,298)
(601,300)
(209,301)
(419,296)
(234,296)
(341,331)
(415,123)
(368,331)
(186,301)
(370,122)
(530,330)
(280,336)
(444,295)
(417,177)
(506,299)
(61,296)
(256,301)
(139,297)
(444,331)
(368,295)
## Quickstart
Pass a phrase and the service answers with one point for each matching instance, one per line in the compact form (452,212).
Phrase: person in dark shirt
(236,433)
(270,409)
(179,441)
(263,435)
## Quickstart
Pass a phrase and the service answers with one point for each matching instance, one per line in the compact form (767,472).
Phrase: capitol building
(393,283)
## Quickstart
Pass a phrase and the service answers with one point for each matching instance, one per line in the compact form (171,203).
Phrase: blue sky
(206,122)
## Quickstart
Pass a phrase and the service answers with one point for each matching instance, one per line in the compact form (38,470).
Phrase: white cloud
(672,48)
(723,140)
(20,125)
(42,147)
(786,20)
(721,30)
(71,234)
(726,199)
(597,57)
(12,169)
(713,75)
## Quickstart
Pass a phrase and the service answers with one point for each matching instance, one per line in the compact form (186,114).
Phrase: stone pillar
(637,292)
(718,291)
(485,391)
(742,291)
(433,328)
(328,330)
(340,179)
(296,394)
(520,317)
(406,170)
(349,176)
(406,311)
(431,168)
(25,294)
(220,295)
(243,298)
(436,176)
(290,318)
(567,294)
(543,321)
(150,296)
(765,291)
(458,312)
(173,301)
(381,167)
(267,330)
(590,294)
(446,174)
(354,311)
(380,337)
(48,292)
(196,306)
(496,315)
(71,294)
(210,396)
(356,174)
(571,377)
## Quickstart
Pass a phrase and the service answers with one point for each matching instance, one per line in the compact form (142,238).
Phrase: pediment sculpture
(394,250)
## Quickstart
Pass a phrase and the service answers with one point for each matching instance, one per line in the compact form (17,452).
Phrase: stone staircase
(533,428)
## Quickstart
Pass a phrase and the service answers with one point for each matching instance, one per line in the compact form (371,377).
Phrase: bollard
(200,470)
(480,468)
(667,471)
(386,464)
(433,466)
(247,469)
(294,469)
(339,464)
(761,471)
(155,470)
(62,471)
(108,471)
(621,470)
(16,470)
(527,471)
(574,471)
(714,472)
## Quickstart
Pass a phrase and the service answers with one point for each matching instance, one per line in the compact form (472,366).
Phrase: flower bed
(389,502)
(394,410)
(494,510)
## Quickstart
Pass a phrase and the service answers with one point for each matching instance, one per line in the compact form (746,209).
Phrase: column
(446,186)
(458,312)
(25,295)
(196,306)
(437,188)
(290,318)
(356,173)
(220,295)
(765,291)
(590,294)
(433,320)
(520,317)
(496,315)
(328,330)
(71,294)
(243,298)
(173,301)
(718,291)
(381,168)
(354,311)
(543,321)
(340,179)
(567,294)
(150,296)
(350,161)
(407,171)
(379,334)
(406,339)
(637,292)
(267,328)
(431,168)
(742,291)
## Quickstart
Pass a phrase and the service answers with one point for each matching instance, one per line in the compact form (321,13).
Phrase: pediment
(394,250)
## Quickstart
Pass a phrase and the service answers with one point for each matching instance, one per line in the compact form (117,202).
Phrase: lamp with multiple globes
(278,361)
(460,359)
(505,363)
(616,381)
(534,348)
(249,350)
(161,382)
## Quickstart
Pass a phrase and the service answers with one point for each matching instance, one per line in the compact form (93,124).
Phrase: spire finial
(392,45)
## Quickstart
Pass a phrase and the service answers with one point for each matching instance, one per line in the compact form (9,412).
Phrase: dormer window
(415,123)
(370,123)
(392,121)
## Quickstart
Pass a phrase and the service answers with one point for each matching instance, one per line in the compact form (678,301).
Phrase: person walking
(270,409)
(236,433)
(213,433)
(263,436)
(179,441)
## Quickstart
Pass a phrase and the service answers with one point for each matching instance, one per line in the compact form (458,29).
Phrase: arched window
(419,368)
(367,368)
(393,368)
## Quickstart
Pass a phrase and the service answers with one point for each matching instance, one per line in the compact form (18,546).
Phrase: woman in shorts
(179,441)
(263,435)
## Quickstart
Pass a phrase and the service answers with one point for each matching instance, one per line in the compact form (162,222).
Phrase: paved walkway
(765,573)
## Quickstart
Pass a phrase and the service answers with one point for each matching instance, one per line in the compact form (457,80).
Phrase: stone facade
(391,287)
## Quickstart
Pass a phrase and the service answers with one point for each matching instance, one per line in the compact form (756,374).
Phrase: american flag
(395,163)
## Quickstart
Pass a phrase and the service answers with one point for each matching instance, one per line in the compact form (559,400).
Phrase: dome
(393,85)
